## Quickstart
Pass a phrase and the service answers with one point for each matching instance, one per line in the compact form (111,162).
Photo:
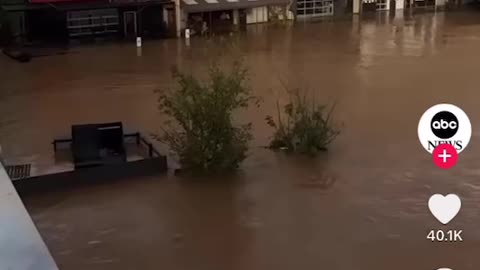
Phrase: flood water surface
(362,205)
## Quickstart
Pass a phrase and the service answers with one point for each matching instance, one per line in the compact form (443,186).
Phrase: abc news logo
(445,125)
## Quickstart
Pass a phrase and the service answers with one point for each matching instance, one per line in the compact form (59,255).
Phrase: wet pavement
(363,205)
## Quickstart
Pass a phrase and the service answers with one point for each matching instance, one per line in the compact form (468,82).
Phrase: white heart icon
(444,208)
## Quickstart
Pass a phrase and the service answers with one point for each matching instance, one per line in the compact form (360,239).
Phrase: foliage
(202,134)
(308,126)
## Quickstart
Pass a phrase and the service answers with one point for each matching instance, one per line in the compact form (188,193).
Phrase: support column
(178,18)
(165,16)
(235,17)
(399,4)
(356,6)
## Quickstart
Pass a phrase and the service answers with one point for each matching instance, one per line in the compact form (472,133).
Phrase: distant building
(52,20)
(221,15)
(360,6)
(314,8)
(55,20)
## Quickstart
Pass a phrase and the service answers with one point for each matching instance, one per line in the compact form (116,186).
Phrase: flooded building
(360,6)
(315,8)
(221,15)
(53,20)
(60,20)
(361,205)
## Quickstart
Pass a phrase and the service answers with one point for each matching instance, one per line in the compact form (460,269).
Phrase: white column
(235,17)
(165,16)
(178,18)
(356,6)
(355,25)
(399,4)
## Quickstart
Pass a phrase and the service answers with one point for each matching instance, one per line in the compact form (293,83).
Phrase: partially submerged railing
(139,139)
(154,164)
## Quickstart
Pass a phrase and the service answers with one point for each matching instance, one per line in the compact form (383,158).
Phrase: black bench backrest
(85,143)
(111,136)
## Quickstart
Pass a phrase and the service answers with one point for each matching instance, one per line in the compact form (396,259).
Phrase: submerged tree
(202,133)
(306,128)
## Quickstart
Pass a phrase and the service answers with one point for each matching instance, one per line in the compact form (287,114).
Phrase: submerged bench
(99,154)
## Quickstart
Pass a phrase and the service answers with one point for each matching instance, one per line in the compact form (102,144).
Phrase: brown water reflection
(361,206)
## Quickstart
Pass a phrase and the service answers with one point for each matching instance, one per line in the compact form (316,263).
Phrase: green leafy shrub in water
(307,127)
(202,133)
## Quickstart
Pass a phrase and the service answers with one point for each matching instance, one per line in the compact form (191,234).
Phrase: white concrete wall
(21,246)
(257,15)
(356,6)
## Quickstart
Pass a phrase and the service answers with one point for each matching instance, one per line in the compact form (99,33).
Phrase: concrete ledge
(21,246)
(92,175)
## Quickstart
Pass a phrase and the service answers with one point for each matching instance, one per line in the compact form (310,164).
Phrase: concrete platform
(60,172)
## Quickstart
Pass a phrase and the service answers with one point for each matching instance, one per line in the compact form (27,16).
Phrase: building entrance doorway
(130,24)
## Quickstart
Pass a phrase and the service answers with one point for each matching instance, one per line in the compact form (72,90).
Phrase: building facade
(61,20)
(54,20)
(201,16)
(360,6)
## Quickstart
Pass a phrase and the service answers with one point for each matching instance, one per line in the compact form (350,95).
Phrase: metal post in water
(139,42)
(187,37)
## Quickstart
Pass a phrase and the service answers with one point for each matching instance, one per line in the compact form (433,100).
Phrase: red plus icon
(445,156)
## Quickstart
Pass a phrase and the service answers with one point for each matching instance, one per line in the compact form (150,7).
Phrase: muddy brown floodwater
(363,205)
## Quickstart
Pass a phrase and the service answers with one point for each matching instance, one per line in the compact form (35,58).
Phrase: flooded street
(362,205)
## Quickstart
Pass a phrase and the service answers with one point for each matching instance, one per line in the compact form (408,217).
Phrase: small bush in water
(308,126)
(202,134)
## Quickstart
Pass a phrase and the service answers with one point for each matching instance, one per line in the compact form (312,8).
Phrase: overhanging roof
(213,5)
(78,5)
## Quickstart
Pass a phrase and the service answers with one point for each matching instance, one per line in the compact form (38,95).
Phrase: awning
(213,5)
(65,5)
(20,7)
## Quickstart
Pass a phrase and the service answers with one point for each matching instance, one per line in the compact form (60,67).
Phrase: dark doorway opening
(130,24)
(152,22)
(47,25)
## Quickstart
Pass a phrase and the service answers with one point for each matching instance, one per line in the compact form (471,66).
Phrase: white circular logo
(444,123)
